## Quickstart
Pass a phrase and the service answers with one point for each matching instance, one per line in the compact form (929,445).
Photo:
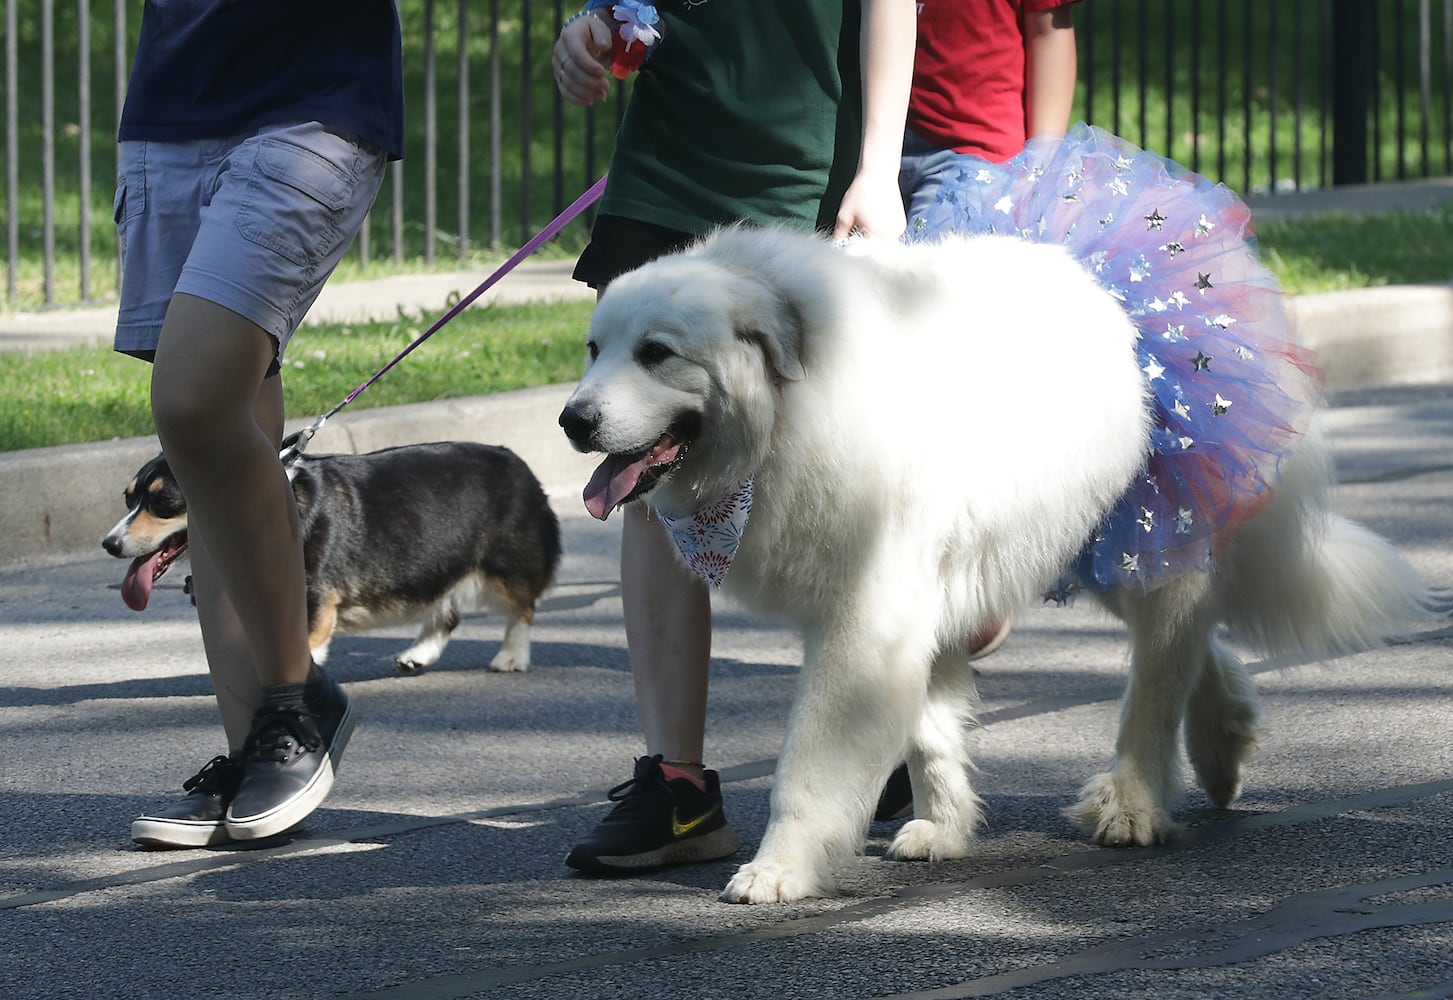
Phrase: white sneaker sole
(720,843)
(286,815)
(149,831)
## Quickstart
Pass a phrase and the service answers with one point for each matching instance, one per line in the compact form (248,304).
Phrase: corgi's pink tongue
(136,588)
(615,478)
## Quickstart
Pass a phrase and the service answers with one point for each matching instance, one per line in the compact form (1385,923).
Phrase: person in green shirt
(750,111)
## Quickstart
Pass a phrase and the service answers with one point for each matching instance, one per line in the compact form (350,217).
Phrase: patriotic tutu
(1230,393)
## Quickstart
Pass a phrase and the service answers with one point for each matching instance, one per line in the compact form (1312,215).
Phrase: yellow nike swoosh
(680,829)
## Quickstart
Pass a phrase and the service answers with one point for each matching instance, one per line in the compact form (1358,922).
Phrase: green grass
(1337,252)
(52,398)
(92,394)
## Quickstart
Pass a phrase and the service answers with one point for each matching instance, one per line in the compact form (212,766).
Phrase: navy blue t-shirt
(206,69)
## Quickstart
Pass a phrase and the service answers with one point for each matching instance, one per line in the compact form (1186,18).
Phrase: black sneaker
(896,801)
(656,822)
(197,820)
(289,761)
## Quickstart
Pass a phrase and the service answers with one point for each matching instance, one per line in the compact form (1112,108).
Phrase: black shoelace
(212,779)
(278,734)
(645,774)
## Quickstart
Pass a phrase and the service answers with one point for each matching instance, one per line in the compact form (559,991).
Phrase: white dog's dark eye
(592,351)
(653,353)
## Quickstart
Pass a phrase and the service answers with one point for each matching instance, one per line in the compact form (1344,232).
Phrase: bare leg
(234,674)
(668,632)
(210,401)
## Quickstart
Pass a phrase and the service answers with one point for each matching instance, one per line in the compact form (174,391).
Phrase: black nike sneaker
(657,822)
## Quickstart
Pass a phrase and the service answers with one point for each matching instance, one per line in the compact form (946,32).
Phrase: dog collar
(708,537)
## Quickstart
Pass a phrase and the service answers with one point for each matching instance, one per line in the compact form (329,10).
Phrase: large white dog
(933,433)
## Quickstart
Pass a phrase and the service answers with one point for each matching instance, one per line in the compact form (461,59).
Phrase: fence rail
(1265,96)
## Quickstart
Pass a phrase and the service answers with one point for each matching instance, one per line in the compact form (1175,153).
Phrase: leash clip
(298,442)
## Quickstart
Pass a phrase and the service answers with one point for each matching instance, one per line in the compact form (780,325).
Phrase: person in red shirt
(987,76)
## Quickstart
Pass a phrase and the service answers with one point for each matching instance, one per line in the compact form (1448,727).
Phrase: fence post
(1354,41)
(12,151)
(83,85)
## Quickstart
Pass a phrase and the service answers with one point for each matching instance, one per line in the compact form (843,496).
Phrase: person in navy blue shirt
(253,141)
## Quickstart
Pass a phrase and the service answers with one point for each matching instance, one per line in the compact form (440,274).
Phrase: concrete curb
(58,502)
(1383,336)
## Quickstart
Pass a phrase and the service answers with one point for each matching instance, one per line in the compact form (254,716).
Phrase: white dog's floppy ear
(782,356)
(773,325)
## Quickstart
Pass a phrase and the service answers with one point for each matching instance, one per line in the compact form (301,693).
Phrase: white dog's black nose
(579,421)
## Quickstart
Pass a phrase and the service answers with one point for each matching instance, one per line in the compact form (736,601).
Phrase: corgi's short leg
(323,623)
(432,640)
(514,651)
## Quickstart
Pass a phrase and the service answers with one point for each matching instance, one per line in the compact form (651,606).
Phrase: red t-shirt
(968,75)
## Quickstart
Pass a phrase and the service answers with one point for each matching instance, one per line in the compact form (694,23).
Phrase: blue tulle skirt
(1230,393)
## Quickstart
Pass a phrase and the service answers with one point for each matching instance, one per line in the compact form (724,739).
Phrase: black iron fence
(1276,96)
(1265,95)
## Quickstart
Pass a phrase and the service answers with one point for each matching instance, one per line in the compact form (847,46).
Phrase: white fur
(934,431)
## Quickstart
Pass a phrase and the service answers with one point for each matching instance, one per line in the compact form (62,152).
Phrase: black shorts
(618,244)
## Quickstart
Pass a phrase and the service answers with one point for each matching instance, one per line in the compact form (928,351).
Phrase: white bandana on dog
(708,537)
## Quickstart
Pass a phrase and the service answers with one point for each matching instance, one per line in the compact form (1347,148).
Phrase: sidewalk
(429,295)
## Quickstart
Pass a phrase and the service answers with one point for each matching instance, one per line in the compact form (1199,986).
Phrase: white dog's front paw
(769,882)
(923,840)
(1117,812)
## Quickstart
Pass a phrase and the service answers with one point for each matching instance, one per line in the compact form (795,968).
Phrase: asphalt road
(434,869)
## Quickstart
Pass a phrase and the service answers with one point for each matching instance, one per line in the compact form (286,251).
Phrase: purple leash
(560,221)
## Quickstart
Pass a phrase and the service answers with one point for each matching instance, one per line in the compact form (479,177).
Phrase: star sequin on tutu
(708,537)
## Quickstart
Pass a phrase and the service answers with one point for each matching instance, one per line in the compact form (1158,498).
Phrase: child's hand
(581,55)
(872,208)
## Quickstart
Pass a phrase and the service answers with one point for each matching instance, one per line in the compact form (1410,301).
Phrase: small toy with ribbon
(636,33)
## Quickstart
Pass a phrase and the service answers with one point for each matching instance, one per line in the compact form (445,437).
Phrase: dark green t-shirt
(747,110)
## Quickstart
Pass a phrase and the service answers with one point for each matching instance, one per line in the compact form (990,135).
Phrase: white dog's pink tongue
(616,477)
(136,588)
(611,483)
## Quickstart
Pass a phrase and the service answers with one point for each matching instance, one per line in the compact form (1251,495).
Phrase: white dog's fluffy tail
(1301,583)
